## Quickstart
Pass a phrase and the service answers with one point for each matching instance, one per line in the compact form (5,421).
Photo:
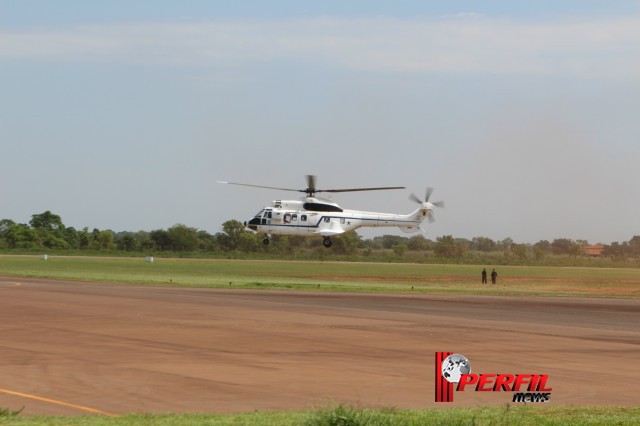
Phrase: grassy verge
(352,416)
(333,276)
(472,257)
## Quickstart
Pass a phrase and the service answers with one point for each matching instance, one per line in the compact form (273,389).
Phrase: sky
(523,116)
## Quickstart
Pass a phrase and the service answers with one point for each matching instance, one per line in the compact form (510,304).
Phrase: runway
(125,348)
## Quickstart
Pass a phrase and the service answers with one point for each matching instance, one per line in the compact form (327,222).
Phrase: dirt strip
(125,348)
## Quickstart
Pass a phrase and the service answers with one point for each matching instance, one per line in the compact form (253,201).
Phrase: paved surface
(121,349)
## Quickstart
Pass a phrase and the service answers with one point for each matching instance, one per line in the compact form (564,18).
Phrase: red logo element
(456,369)
(444,389)
(505,382)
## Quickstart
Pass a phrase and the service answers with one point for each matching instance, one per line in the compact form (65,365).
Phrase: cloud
(459,44)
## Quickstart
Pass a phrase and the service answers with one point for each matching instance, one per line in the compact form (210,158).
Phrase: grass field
(333,276)
(349,416)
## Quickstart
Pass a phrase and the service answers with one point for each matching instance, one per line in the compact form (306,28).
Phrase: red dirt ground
(123,349)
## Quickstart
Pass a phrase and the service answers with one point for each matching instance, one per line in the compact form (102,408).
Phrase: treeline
(47,231)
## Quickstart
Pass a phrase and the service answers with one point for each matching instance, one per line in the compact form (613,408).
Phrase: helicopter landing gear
(265,241)
(327,242)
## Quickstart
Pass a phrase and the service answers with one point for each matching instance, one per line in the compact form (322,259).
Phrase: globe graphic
(454,366)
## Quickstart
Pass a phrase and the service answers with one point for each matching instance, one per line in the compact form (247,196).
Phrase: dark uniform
(484,276)
(494,275)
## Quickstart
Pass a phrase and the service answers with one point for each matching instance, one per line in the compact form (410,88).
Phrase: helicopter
(315,216)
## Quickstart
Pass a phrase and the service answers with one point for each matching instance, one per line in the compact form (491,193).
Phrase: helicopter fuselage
(313,216)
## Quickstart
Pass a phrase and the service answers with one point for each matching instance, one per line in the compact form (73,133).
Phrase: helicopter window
(294,217)
(303,217)
(267,215)
(327,219)
(287,217)
(320,207)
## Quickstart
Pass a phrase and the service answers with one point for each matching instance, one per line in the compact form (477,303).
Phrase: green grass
(333,276)
(346,415)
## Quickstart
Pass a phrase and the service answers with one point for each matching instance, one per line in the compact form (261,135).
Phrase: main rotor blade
(438,203)
(361,189)
(311,187)
(260,186)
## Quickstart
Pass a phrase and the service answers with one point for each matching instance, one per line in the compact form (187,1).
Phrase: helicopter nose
(253,224)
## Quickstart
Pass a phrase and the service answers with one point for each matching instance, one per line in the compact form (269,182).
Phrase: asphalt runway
(71,348)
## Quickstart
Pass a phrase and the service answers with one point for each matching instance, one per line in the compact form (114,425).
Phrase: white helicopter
(312,215)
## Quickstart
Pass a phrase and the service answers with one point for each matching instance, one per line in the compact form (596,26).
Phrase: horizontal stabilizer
(410,229)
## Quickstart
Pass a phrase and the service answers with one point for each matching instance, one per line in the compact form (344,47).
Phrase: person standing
(484,276)
(494,275)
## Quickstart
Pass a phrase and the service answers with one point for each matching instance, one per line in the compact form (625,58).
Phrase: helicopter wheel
(327,242)
(265,241)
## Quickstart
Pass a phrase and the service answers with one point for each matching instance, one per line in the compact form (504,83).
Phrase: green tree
(160,239)
(483,244)
(615,250)
(207,242)
(278,243)
(248,242)
(21,236)
(144,241)
(399,249)
(84,238)
(505,245)
(561,246)
(105,240)
(464,244)
(126,241)
(346,243)
(233,228)
(388,241)
(51,239)
(419,243)
(46,220)
(50,230)
(447,247)
(538,252)
(543,245)
(230,238)
(634,246)
(183,238)
(71,237)
(519,250)
(566,246)
(5,224)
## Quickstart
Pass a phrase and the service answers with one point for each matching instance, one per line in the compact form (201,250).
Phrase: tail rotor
(426,203)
